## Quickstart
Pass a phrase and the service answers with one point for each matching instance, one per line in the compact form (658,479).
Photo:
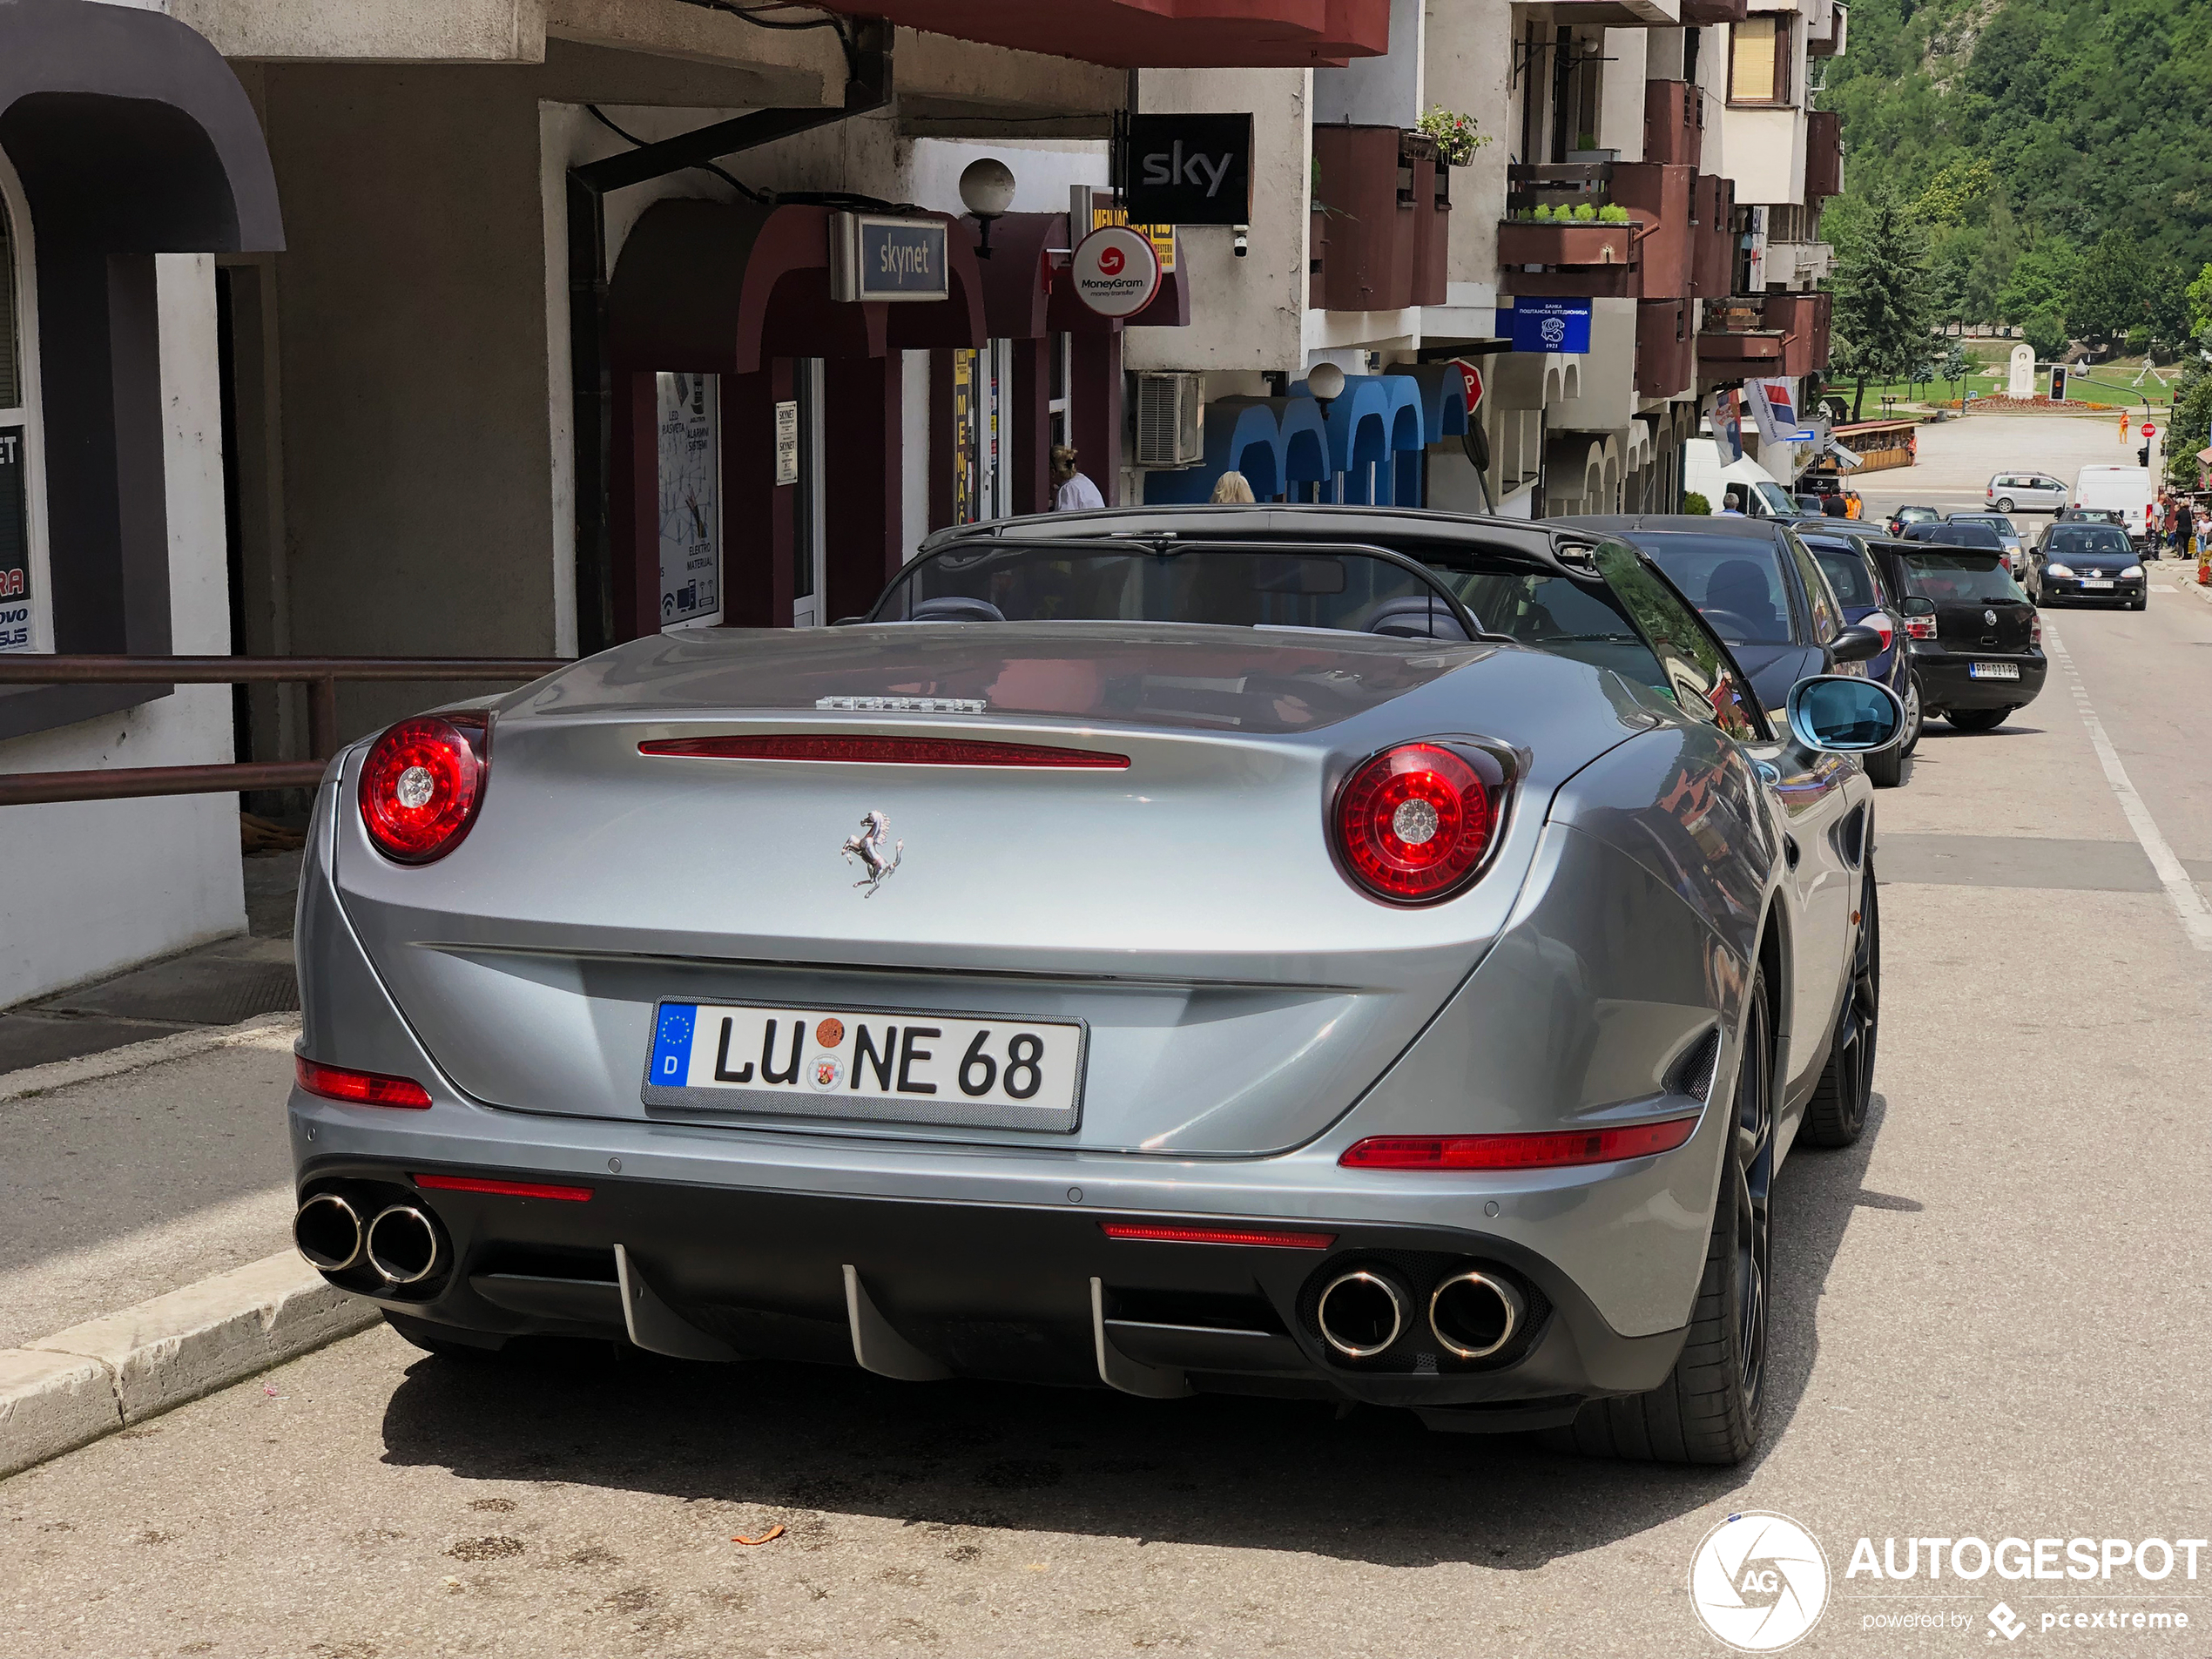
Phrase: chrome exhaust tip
(402,1245)
(1360,1313)
(327,1232)
(1474,1315)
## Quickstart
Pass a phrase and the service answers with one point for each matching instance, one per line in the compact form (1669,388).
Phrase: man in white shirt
(1071,491)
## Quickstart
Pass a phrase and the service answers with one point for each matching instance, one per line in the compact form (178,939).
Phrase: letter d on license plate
(884,1066)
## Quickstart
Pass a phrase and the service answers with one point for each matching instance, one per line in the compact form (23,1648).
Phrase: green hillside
(2024,130)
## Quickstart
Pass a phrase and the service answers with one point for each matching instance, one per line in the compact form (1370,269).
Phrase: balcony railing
(1381,219)
(1672,132)
(1712,252)
(1703,13)
(1643,253)
(1824,156)
(1666,347)
(1763,334)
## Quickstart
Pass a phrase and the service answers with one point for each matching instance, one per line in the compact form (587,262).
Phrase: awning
(1849,457)
(722,287)
(1156,34)
(130,134)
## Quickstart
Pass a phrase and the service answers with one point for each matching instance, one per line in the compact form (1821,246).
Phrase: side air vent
(1692,1074)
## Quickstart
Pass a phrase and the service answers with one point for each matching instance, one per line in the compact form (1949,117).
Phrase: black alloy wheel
(1752,1171)
(1837,1114)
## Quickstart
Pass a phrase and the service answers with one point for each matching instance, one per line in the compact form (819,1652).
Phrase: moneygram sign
(1114,272)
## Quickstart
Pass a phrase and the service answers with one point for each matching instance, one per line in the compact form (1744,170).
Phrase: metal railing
(320,675)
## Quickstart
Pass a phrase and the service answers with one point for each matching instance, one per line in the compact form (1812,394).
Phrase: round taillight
(1413,822)
(420,789)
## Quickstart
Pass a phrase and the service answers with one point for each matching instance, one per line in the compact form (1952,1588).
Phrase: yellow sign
(1162,237)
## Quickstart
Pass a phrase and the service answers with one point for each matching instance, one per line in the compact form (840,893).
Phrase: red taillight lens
(503,1189)
(1415,822)
(884,751)
(1550,1150)
(1268,1237)
(2035,633)
(361,1087)
(1919,627)
(421,786)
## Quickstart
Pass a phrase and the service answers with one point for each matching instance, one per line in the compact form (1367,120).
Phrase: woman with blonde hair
(1232,487)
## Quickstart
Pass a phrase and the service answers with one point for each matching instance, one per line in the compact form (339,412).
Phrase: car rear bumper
(752,1261)
(1947,680)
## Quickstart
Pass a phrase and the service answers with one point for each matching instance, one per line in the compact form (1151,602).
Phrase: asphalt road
(1992,1322)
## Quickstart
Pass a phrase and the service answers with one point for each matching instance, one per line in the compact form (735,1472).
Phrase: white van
(1764,495)
(2127,490)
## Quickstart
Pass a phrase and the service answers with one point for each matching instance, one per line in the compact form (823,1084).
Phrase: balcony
(1703,13)
(1156,34)
(1823,157)
(1763,334)
(1712,258)
(1620,14)
(1800,265)
(1645,255)
(1671,133)
(1380,227)
(1666,349)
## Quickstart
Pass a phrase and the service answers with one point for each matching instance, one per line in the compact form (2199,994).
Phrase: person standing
(1071,491)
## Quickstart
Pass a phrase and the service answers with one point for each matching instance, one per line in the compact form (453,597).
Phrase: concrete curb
(264,1030)
(94,1379)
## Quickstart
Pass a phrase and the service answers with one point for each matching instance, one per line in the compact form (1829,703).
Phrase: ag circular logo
(1114,271)
(1759,1582)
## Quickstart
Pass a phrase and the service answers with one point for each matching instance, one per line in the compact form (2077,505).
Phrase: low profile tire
(1710,1408)
(1837,1114)
(446,1341)
(1980,719)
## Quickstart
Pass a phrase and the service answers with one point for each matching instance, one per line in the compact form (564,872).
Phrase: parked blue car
(1856,576)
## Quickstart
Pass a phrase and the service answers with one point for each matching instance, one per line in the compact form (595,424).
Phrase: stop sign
(2149,431)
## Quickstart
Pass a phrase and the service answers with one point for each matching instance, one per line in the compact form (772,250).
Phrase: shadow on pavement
(1239,1472)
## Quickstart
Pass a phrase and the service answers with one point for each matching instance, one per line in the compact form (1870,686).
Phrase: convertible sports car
(1368,955)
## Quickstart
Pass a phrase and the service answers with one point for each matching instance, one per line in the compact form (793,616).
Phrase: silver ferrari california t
(1376,956)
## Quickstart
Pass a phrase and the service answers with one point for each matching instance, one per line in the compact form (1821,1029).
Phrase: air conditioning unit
(1169,432)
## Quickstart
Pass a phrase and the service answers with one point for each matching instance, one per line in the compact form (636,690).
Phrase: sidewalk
(153,1179)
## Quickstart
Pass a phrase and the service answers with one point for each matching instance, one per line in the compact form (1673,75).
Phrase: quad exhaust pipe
(1361,1312)
(328,1229)
(401,1243)
(1474,1314)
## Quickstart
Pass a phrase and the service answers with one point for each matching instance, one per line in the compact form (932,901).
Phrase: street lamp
(987,190)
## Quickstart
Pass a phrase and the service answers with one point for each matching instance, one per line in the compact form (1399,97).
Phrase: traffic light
(2057,382)
(2142,456)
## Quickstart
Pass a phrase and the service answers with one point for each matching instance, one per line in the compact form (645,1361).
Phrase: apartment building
(1651,181)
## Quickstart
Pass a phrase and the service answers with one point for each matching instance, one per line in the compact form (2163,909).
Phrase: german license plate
(2096,581)
(1993,671)
(896,1066)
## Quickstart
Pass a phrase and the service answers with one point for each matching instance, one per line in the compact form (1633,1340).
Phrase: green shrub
(1542,215)
(1585,213)
(1613,213)
(1694,503)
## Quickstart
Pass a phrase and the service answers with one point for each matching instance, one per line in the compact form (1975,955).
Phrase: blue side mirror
(1841,714)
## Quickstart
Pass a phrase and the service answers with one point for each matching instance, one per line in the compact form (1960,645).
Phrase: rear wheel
(1709,1409)
(1980,719)
(2004,503)
(1837,1113)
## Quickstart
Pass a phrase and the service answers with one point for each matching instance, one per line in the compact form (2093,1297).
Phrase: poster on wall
(963,455)
(691,500)
(15,542)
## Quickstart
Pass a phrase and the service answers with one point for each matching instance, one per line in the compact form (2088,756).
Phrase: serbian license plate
(1993,671)
(2096,581)
(892,1066)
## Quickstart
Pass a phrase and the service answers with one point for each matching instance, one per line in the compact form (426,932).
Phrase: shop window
(1059,354)
(1759,60)
(981,466)
(23,577)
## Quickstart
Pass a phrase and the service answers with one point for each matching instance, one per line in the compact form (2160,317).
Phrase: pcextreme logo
(1759,1582)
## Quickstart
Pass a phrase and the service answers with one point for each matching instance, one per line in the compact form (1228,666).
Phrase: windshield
(2078,539)
(1234,586)
(1962,577)
(1774,497)
(1848,573)
(1997,522)
(1734,581)
(1536,607)
(1955,534)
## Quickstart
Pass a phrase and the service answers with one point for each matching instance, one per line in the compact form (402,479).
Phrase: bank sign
(1551,325)
(1188,170)
(875,257)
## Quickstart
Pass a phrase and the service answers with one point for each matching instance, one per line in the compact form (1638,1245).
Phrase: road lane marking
(2188,904)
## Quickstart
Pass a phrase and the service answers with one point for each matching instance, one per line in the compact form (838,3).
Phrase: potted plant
(1457,135)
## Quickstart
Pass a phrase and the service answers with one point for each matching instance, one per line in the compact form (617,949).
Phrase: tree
(2110,291)
(2044,330)
(2039,279)
(2199,298)
(1955,366)
(1881,306)
(2188,428)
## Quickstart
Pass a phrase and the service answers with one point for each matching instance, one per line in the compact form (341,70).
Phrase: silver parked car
(2026,492)
(1377,956)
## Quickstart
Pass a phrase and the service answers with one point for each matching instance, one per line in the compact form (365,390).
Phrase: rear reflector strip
(1544,1151)
(885,751)
(502,1189)
(1268,1237)
(361,1087)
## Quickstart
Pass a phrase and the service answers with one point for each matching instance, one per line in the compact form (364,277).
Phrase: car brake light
(503,1189)
(883,751)
(2035,632)
(1552,1149)
(1415,822)
(361,1087)
(421,785)
(1919,627)
(1278,1238)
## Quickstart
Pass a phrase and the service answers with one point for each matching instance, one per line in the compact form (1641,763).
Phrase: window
(1848,574)
(1759,59)
(1825,621)
(22,573)
(1698,679)
(1735,581)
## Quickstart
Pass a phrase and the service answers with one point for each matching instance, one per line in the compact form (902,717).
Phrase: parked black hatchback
(1977,643)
